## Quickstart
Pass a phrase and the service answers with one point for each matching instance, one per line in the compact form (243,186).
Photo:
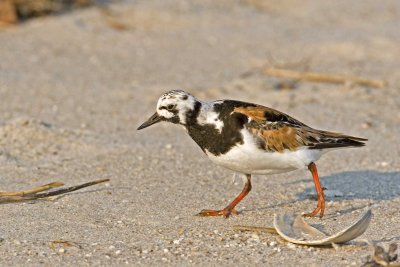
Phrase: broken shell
(296,230)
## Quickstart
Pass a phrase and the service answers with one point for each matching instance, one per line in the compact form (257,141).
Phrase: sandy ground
(74,87)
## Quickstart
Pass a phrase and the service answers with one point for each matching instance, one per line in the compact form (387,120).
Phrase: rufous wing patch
(280,139)
(256,113)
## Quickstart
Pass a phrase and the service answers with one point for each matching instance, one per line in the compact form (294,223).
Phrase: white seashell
(296,230)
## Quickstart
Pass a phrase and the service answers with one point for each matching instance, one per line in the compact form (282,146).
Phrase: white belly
(249,158)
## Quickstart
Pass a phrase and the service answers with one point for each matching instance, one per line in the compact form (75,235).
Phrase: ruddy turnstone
(250,139)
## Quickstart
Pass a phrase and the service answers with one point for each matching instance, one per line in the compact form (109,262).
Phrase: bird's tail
(336,140)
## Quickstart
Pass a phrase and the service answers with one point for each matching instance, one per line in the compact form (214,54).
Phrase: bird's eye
(169,107)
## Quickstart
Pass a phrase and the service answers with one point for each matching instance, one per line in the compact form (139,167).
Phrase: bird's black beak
(152,120)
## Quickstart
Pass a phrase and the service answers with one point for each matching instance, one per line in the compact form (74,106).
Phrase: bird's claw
(320,207)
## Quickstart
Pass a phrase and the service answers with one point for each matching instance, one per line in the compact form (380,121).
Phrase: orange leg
(228,210)
(320,192)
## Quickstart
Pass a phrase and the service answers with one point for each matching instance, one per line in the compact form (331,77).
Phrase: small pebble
(272,244)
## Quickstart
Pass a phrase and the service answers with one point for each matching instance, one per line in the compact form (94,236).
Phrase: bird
(250,139)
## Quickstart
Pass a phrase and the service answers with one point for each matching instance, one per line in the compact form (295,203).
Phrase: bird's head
(172,106)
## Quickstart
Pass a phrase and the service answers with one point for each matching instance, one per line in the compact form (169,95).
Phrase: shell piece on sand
(296,230)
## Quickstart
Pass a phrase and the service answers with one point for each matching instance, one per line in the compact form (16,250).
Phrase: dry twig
(34,193)
(270,230)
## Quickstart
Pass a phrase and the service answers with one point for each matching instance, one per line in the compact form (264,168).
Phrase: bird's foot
(320,207)
(225,212)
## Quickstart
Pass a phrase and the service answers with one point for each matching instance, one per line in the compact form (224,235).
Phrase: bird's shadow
(370,185)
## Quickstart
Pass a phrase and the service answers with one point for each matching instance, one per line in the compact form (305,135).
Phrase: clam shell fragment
(296,230)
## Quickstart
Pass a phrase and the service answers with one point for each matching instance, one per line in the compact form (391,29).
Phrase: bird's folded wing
(277,132)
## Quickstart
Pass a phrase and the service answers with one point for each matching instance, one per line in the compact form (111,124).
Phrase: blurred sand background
(75,86)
